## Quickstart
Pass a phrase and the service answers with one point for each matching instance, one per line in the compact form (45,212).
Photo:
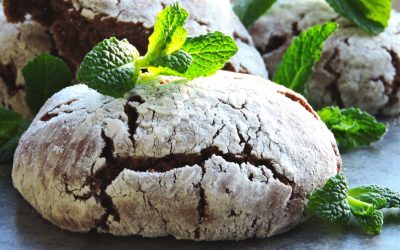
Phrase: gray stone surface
(21,227)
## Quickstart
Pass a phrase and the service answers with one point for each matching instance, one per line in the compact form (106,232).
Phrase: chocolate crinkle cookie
(231,156)
(19,43)
(356,68)
(77,26)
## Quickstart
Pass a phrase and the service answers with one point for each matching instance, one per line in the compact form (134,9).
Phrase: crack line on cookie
(393,95)
(298,99)
(333,87)
(99,182)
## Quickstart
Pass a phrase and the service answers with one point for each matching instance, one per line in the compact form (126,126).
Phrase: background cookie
(231,156)
(356,68)
(19,43)
(77,26)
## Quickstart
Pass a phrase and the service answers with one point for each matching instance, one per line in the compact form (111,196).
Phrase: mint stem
(357,203)
(143,62)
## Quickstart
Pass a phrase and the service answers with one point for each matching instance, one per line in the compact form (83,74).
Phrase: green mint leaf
(178,61)
(378,196)
(299,59)
(335,203)
(210,52)
(370,15)
(330,202)
(169,34)
(9,122)
(352,127)
(110,67)
(12,126)
(359,207)
(370,219)
(44,76)
(249,11)
(371,222)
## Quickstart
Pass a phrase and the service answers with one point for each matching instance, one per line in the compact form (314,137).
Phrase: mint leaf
(329,202)
(370,219)
(370,15)
(371,222)
(360,207)
(164,54)
(44,76)
(110,67)
(12,126)
(210,52)
(9,122)
(178,61)
(378,196)
(352,127)
(169,34)
(299,59)
(334,202)
(249,11)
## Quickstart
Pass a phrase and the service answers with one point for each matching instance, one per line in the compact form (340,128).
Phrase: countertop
(21,227)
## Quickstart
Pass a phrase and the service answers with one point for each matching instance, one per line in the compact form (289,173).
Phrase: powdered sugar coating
(231,156)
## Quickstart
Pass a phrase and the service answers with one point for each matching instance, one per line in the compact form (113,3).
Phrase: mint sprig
(370,15)
(299,59)
(44,76)
(113,67)
(352,127)
(335,202)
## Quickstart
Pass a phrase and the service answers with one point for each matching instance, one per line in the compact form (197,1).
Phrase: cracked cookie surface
(356,68)
(231,156)
(78,25)
(19,43)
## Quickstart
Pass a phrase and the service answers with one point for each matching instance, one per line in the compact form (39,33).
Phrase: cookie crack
(333,88)
(133,115)
(395,60)
(274,43)
(298,99)
(53,114)
(8,72)
(99,182)
(240,37)
(180,160)
(201,206)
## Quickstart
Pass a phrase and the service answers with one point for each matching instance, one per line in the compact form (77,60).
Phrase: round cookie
(77,26)
(231,156)
(19,43)
(356,68)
